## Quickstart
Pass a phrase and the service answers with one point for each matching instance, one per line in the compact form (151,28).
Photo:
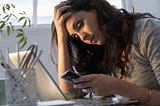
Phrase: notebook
(48,89)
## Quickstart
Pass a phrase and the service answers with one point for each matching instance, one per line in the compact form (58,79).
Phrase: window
(41,11)
(116,3)
(20,6)
(45,11)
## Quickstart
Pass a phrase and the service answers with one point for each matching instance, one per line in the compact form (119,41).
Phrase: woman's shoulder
(147,24)
(146,28)
(146,33)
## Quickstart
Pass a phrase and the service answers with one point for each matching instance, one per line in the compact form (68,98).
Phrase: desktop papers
(56,103)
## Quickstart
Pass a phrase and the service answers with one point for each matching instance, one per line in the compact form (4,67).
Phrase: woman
(116,52)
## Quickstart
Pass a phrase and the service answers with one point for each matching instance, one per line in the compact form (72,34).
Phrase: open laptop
(48,89)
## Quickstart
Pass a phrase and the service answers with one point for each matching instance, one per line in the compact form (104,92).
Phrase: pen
(36,59)
(33,64)
(18,57)
(7,55)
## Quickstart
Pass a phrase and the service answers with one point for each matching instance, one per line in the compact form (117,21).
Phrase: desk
(95,101)
(70,103)
(81,102)
(84,103)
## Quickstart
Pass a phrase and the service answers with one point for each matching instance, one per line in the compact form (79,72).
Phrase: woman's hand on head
(99,84)
(59,19)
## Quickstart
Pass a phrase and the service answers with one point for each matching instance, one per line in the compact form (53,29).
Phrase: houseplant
(8,18)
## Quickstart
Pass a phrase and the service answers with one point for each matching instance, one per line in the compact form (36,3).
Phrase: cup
(21,87)
(2,92)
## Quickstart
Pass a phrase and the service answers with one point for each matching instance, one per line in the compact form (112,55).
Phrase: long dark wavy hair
(89,58)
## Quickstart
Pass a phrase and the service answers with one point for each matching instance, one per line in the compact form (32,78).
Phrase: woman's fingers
(88,90)
(83,85)
(62,9)
(59,17)
(64,16)
(57,7)
(86,78)
(99,84)
(87,83)
(59,10)
(87,87)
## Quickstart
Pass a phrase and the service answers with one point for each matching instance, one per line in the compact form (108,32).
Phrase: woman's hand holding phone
(70,76)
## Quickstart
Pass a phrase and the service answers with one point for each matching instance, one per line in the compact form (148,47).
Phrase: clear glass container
(21,87)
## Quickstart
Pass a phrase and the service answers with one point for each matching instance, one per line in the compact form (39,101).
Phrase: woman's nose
(84,37)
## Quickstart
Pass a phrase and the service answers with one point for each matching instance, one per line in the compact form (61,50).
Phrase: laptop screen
(47,88)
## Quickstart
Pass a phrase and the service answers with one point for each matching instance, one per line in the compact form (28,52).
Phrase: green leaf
(24,12)
(7,6)
(9,30)
(5,16)
(4,10)
(20,19)
(12,28)
(21,40)
(24,24)
(24,43)
(2,22)
(14,15)
(21,13)
(12,5)
(2,25)
(19,34)
(20,31)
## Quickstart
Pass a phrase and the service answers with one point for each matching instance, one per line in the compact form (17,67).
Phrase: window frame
(34,17)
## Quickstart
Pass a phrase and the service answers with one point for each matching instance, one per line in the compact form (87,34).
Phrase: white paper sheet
(56,103)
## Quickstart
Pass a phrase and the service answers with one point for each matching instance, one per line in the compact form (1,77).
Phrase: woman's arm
(144,95)
(64,59)
(63,53)
(104,85)
(63,63)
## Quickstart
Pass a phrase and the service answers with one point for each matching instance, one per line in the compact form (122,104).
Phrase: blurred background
(41,14)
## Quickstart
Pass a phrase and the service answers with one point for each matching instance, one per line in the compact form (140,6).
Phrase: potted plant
(8,18)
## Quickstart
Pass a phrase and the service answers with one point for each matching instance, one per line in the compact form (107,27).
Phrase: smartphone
(70,76)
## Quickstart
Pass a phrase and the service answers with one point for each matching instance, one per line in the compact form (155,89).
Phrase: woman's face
(84,25)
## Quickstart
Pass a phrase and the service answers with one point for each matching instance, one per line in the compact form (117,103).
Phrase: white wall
(151,6)
(41,36)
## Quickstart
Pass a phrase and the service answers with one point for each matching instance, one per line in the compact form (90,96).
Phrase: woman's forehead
(74,16)
(70,21)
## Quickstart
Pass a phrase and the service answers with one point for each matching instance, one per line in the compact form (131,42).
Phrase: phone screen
(70,76)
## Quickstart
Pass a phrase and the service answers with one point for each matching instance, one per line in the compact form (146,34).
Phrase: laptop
(48,89)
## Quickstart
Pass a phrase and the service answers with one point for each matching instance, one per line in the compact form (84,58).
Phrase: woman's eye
(79,24)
